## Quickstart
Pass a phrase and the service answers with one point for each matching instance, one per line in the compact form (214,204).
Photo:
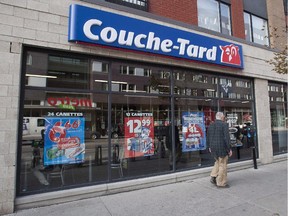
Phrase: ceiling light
(41,76)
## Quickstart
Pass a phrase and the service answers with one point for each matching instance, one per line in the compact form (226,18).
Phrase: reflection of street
(90,149)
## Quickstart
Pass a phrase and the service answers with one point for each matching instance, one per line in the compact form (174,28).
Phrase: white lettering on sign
(149,42)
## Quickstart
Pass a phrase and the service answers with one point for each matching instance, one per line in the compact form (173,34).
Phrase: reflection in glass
(64,140)
(141,125)
(260,31)
(247,23)
(208,14)
(278,113)
(258,26)
(225,19)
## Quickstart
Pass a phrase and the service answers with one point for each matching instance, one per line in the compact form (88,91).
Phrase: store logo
(230,54)
(69,103)
(147,41)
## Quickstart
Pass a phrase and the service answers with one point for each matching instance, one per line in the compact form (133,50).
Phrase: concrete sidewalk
(253,192)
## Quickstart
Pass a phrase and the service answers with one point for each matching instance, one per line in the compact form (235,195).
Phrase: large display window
(197,98)
(279,119)
(89,120)
(62,141)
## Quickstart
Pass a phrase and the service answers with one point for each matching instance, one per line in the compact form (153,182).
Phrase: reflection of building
(145,63)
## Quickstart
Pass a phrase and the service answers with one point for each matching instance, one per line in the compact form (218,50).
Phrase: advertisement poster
(64,141)
(139,134)
(232,119)
(193,130)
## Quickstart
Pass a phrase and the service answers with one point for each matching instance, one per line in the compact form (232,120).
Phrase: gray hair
(219,115)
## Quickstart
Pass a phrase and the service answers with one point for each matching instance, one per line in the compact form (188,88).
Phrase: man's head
(220,116)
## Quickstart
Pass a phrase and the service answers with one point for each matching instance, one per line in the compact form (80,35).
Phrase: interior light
(41,76)
(104,81)
(119,82)
(133,91)
(113,82)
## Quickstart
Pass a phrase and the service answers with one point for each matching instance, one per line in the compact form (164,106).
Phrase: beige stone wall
(263,121)
(276,19)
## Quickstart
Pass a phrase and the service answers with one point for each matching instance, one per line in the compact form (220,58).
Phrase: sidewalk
(253,192)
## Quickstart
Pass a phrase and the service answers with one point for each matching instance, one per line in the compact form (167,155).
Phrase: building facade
(106,96)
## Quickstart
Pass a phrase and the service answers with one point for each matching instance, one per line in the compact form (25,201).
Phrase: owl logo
(230,54)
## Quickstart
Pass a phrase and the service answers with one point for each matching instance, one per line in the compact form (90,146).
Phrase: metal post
(254,157)
(238,152)
(98,155)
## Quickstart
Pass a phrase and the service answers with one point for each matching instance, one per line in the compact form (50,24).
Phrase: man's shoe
(213,180)
(225,186)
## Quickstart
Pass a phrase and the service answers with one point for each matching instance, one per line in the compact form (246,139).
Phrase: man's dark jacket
(218,139)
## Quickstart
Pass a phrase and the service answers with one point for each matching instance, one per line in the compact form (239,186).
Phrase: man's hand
(230,153)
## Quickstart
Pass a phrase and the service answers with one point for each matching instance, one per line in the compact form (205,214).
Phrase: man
(218,143)
(178,148)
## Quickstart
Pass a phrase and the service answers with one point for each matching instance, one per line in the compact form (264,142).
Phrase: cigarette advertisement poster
(139,134)
(193,130)
(64,141)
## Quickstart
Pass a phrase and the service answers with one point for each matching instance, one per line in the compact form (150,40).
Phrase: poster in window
(64,141)
(139,134)
(193,130)
(232,119)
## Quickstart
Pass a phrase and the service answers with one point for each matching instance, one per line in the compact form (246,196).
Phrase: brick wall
(184,11)
(237,19)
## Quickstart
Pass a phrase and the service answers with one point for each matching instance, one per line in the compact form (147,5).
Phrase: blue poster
(64,141)
(193,131)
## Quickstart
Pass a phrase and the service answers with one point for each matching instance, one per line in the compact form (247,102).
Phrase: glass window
(235,88)
(279,119)
(124,125)
(194,84)
(256,29)
(101,67)
(64,135)
(68,72)
(214,15)
(260,31)
(138,4)
(141,123)
(225,19)
(137,79)
(248,27)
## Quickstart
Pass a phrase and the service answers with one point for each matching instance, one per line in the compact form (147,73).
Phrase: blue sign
(64,141)
(193,131)
(93,26)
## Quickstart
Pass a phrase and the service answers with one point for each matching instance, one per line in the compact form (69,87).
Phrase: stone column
(263,121)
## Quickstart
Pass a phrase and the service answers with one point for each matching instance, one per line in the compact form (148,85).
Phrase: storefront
(130,107)
(126,97)
(90,119)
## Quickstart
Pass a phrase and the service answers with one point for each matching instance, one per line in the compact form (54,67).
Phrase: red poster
(139,134)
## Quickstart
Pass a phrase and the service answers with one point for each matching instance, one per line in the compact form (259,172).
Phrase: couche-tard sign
(95,26)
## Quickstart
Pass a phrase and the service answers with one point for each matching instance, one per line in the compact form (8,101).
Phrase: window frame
(219,17)
(251,29)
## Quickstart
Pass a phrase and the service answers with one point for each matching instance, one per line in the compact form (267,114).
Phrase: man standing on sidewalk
(218,143)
